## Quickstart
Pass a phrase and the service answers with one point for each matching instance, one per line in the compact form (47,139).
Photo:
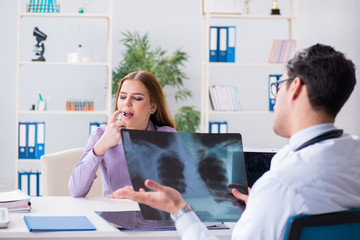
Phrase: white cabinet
(59,80)
(249,73)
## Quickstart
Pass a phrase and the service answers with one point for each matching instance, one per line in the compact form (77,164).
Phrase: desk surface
(68,206)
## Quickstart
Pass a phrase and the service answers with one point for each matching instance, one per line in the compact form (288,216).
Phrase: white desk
(68,206)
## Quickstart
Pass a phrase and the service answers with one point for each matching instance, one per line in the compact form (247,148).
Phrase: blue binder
(223,42)
(24,182)
(272,78)
(22,140)
(213,44)
(34,188)
(218,127)
(31,140)
(40,139)
(94,125)
(29,183)
(231,40)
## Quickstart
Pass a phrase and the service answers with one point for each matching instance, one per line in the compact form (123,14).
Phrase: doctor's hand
(111,136)
(163,198)
(240,191)
(117,193)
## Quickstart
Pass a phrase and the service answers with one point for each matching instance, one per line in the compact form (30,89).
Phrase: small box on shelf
(79,105)
(46,6)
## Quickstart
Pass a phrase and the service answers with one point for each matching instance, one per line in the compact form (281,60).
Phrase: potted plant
(167,69)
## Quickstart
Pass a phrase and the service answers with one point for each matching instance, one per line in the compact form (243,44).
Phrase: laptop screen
(200,166)
(257,162)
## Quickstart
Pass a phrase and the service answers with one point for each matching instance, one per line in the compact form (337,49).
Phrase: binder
(31,139)
(33,184)
(272,78)
(24,182)
(29,183)
(58,223)
(213,44)
(223,42)
(231,39)
(40,139)
(223,127)
(22,140)
(213,127)
(218,127)
(94,125)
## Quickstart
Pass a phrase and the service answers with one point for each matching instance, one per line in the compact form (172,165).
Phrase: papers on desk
(58,223)
(15,201)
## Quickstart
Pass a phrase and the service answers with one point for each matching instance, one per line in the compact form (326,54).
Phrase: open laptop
(200,166)
(257,162)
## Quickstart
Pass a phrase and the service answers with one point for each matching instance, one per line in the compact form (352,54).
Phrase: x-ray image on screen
(200,166)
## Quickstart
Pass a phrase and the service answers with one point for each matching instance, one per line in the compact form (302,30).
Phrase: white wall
(170,24)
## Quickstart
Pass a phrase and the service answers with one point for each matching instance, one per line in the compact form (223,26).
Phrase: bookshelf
(255,34)
(56,73)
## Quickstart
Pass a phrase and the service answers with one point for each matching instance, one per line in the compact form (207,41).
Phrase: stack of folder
(222,44)
(15,201)
(29,182)
(31,140)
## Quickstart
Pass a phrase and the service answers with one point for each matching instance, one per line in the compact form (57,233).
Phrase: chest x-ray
(200,166)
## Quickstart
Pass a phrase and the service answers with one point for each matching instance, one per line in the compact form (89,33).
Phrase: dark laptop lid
(257,162)
(200,166)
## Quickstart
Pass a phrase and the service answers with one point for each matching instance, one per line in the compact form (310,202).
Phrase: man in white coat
(317,172)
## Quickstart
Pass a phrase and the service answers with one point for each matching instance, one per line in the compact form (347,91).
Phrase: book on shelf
(15,201)
(224,98)
(282,51)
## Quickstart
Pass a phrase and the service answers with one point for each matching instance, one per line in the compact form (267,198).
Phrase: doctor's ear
(297,87)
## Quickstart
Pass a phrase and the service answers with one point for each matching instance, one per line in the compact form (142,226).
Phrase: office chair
(329,226)
(56,169)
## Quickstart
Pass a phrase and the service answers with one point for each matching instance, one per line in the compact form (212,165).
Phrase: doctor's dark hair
(328,74)
(162,116)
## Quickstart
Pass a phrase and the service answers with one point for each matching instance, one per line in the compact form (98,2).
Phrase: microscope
(39,46)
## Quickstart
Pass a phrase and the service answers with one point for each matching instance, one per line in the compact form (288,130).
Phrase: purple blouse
(113,166)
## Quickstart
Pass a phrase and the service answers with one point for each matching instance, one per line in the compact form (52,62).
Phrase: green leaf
(187,119)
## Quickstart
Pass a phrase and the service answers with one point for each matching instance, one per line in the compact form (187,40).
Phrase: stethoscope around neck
(327,135)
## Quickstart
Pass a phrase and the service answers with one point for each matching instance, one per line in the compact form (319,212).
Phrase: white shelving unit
(290,17)
(60,66)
